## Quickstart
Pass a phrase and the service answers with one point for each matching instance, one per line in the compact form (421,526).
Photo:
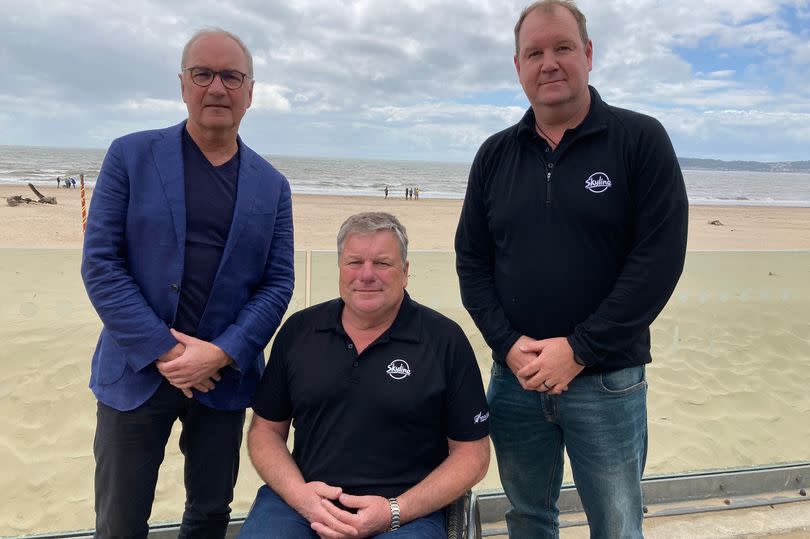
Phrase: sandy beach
(728,385)
(431,223)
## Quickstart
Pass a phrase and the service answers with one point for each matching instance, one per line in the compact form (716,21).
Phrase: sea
(369,177)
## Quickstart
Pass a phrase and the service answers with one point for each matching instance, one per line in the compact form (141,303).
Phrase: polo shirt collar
(406,325)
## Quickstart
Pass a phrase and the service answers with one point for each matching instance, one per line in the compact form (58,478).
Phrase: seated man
(391,421)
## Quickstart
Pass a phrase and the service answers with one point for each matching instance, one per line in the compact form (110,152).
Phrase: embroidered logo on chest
(598,182)
(398,369)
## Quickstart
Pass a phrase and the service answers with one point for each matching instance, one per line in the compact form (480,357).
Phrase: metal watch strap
(394,505)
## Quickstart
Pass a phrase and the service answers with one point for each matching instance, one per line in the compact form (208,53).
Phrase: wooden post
(84,203)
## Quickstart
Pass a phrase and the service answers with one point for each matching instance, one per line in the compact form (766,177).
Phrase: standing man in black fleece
(571,240)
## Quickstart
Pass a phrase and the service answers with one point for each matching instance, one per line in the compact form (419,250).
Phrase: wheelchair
(463,518)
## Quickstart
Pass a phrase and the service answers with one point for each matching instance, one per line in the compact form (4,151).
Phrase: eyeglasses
(203,76)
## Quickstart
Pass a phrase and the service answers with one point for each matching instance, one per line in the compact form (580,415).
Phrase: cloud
(270,97)
(34,106)
(722,74)
(446,113)
(151,105)
(415,79)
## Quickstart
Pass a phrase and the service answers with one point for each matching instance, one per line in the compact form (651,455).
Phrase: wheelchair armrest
(463,517)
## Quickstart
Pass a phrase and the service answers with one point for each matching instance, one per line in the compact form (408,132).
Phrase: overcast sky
(408,79)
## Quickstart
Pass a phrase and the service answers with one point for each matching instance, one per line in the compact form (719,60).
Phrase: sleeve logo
(480,417)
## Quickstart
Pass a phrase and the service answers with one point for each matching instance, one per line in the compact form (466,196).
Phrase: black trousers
(129,448)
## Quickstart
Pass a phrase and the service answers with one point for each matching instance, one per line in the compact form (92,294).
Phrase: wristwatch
(392,503)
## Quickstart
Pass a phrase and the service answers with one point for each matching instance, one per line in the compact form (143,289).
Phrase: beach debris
(16,200)
(42,198)
(716,222)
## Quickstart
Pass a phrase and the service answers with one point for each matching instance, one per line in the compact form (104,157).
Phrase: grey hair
(217,31)
(369,223)
(548,6)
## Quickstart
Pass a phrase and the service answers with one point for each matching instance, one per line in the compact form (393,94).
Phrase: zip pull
(548,188)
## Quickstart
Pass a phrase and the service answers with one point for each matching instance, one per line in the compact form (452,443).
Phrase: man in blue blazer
(188,260)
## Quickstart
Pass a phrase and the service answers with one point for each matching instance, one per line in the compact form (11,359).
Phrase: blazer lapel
(168,153)
(246,187)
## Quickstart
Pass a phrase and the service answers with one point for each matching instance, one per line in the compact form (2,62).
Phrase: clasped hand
(545,365)
(192,363)
(372,516)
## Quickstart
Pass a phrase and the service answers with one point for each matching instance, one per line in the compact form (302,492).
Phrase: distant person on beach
(73,182)
(564,276)
(58,179)
(416,192)
(387,400)
(386,191)
(190,282)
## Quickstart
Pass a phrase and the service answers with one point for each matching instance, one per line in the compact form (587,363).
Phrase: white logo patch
(398,369)
(480,417)
(598,182)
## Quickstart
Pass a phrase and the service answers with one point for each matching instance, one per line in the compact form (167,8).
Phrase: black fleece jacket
(586,241)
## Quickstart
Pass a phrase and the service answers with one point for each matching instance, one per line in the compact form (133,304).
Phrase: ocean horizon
(369,177)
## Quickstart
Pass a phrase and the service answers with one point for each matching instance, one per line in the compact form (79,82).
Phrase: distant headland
(693,163)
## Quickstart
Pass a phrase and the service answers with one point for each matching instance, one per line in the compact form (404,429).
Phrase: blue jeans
(602,422)
(271,518)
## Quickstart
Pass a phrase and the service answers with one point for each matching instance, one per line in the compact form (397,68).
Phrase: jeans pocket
(623,381)
(497,370)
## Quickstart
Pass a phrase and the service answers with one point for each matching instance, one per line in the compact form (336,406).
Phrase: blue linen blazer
(132,267)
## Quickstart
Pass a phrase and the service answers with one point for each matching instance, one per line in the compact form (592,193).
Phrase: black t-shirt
(375,423)
(210,198)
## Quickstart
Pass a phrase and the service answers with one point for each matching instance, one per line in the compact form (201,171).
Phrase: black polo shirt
(375,423)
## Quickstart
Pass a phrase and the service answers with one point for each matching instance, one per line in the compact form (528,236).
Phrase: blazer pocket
(260,226)
(110,370)
(111,362)
(263,205)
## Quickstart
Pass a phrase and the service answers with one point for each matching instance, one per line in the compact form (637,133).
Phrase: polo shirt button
(356,364)
(350,346)
(550,166)
(547,149)
(175,288)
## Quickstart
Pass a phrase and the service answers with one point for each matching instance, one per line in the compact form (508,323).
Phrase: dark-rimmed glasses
(203,76)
